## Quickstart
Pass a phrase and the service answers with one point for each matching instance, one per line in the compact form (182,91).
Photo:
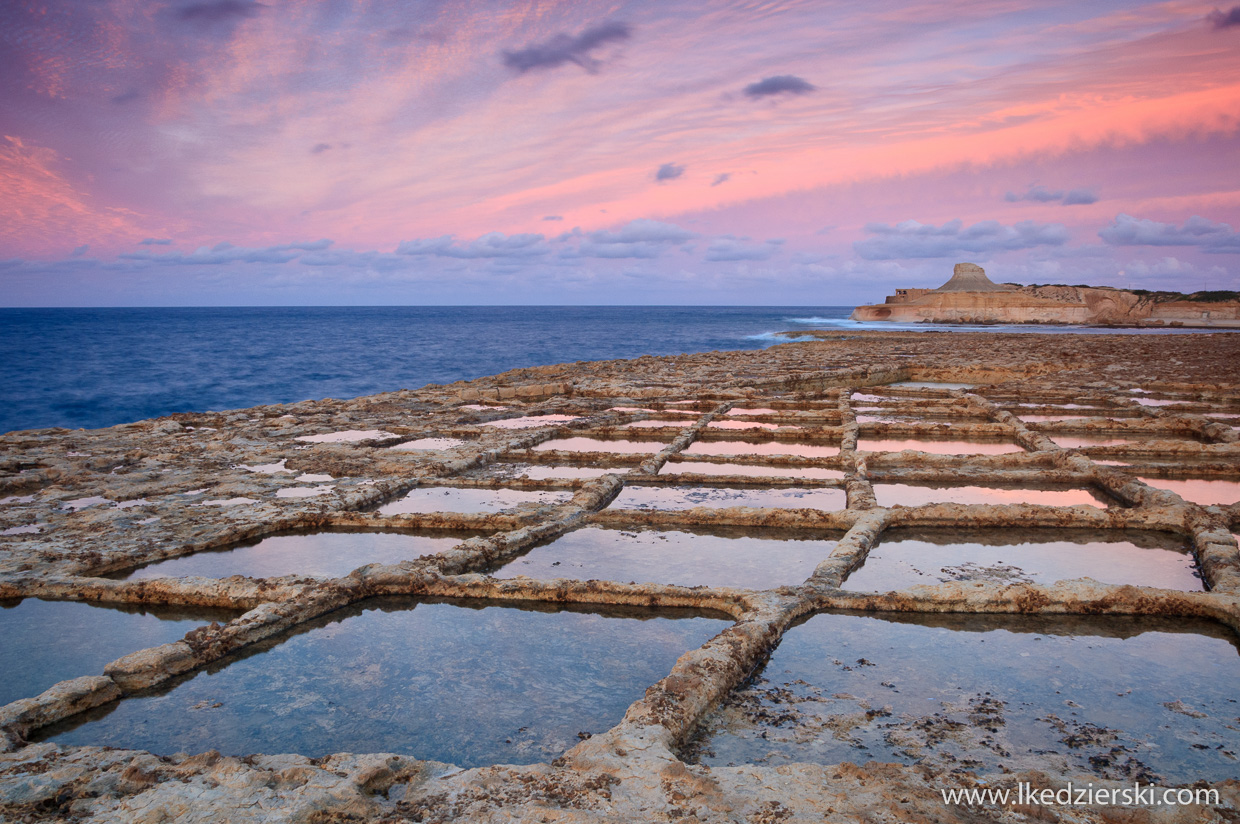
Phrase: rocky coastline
(78,506)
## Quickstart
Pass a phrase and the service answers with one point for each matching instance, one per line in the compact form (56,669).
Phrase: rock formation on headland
(971,297)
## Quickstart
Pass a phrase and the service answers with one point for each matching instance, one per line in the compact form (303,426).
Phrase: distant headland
(971,297)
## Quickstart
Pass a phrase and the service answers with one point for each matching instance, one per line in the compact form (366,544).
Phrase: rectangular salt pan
(531,421)
(674,498)
(452,499)
(543,472)
(919,495)
(722,558)
(1206,492)
(798,449)
(938,447)
(331,554)
(749,470)
(909,557)
(472,683)
(1082,441)
(1121,698)
(42,642)
(598,445)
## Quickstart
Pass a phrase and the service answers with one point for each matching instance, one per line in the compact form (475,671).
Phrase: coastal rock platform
(80,508)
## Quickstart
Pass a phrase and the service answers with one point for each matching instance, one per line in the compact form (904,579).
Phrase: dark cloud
(553,217)
(319,148)
(1041,194)
(217,11)
(226,252)
(490,245)
(156,241)
(731,248)
(645,239)
(721,178)
(669,171)
(910,239)
(780,84)
(1080,197)
(566,48)
(79,251)
(1216,238)
(643,230)
(127,97)
(1222,20)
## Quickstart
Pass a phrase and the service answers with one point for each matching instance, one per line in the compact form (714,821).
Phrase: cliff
(971,297)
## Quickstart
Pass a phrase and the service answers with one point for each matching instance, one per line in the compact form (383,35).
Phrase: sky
(231,152)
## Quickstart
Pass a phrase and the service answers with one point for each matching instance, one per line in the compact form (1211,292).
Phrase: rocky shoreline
(78,505)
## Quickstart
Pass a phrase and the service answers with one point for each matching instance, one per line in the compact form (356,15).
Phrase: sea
(91,368)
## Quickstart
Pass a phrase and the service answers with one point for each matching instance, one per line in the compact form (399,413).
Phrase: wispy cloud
(566,48)
(1207,235)
(721,178)
(910,239)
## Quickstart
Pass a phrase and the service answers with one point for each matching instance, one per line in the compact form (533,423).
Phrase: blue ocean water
(99,367)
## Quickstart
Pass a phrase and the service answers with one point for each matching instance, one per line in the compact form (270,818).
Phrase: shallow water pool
(470,683)
(1123,698)
(798,449)
(599,445)
(427,499)
(959,446)
(907,557)
(921,494)
(324,554)
(675,498)
(751,558)
(1209,492)
(42,642)
(750,470)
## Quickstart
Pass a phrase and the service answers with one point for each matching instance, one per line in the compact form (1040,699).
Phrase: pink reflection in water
(596,445)
(744,425)
(762,410)
(1052,417)
(673,557)
(939,447)
(450,499)
(749,470)
(802,450)
(1199,491)
(530,421)
(903,563)
(688,497)
(542,473)
(1111,439)
(911,495)
(655,424)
